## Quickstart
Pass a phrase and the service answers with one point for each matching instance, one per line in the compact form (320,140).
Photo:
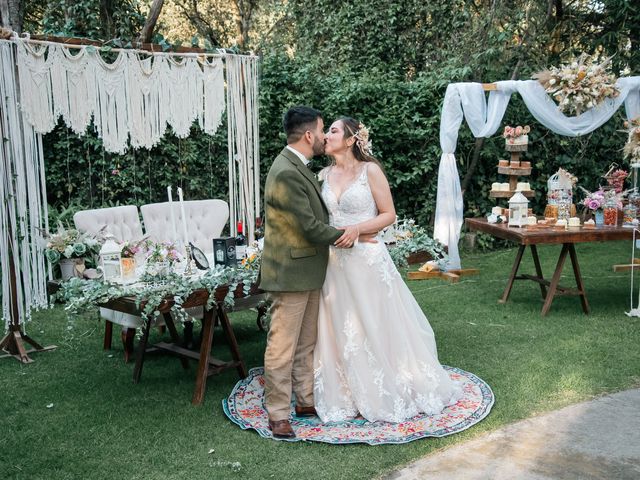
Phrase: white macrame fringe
(243,136)
(131,100)
(23,211)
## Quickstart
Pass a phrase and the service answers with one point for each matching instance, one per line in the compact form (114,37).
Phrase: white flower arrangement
(581,85)
(70,243)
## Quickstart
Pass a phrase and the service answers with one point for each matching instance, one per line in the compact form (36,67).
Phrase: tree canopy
(387,63)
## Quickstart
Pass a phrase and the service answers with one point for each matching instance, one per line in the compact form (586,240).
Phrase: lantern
(518,210)
(110,255)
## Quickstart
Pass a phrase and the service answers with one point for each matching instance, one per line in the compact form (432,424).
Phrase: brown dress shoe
(306,411)
(281,429)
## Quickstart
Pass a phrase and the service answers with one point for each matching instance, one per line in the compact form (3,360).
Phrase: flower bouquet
(580,85)
(69,248)
(516,139)
(593,200)
(160,260)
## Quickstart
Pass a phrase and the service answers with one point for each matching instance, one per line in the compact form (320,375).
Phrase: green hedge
(404,119)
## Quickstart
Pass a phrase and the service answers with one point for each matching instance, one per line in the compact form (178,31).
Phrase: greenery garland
(82,295)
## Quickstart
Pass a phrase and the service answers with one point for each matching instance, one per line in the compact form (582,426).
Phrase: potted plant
(69,248)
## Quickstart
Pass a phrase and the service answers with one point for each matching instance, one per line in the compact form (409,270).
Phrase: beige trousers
(288,358)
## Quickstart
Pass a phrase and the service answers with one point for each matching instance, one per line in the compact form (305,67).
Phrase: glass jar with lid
(610,209)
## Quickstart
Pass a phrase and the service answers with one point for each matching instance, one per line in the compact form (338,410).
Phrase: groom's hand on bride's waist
(352,236)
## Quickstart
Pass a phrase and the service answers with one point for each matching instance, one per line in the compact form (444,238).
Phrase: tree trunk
(150,23)
(106,17)
(12,12)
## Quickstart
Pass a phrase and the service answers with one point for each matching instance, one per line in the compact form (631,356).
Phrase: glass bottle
(241,244)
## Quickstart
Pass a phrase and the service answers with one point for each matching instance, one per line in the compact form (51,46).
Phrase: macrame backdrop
(468,101)
(131,100)
(23,213)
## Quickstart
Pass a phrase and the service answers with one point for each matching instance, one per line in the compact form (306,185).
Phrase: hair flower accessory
(362,139)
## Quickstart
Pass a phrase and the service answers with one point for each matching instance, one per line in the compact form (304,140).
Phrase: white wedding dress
(376,352)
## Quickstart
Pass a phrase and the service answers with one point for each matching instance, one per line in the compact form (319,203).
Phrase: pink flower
(593,204)
(115,171)
(518,131)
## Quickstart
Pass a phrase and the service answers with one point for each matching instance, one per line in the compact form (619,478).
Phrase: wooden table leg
(514,272)
(536,262)
(142,347)
(108,335)
(127,335)
(553,286)
(231,338)
(576,273)
(168,320)
(205,354)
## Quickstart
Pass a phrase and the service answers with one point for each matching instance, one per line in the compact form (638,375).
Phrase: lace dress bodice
(356,204)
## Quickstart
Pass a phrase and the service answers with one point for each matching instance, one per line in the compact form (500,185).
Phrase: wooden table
(533,236)
(206,364)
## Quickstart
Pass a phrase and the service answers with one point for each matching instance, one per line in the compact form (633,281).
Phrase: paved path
(599,439)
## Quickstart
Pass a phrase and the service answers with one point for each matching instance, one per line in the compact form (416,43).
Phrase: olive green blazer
(297,232)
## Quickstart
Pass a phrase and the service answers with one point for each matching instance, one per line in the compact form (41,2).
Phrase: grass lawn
(102,426)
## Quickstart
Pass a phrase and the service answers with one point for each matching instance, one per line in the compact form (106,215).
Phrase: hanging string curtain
(243,136)
(133,98)
(484,116)
(23,214)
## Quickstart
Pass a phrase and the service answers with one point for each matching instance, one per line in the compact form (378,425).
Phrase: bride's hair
(361,148)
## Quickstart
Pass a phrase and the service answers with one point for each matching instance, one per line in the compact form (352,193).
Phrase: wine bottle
(241,244)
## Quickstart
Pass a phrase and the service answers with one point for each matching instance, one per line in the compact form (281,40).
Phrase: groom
(294,262)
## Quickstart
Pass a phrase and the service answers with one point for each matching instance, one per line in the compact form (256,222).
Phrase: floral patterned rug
(245,407)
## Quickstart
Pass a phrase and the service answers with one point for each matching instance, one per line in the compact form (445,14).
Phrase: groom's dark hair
(298,120)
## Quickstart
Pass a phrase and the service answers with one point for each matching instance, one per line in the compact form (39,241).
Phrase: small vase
(68,268)
(599,217)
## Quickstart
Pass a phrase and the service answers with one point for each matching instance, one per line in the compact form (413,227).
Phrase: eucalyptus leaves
(411,238)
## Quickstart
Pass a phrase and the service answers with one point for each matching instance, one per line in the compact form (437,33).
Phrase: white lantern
(110,254)
(518,210)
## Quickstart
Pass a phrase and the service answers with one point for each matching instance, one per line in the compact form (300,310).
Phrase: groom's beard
(318,147)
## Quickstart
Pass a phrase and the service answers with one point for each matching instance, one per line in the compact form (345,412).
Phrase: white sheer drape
(468,101)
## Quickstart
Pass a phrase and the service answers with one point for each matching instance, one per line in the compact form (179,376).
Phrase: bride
(375,354)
